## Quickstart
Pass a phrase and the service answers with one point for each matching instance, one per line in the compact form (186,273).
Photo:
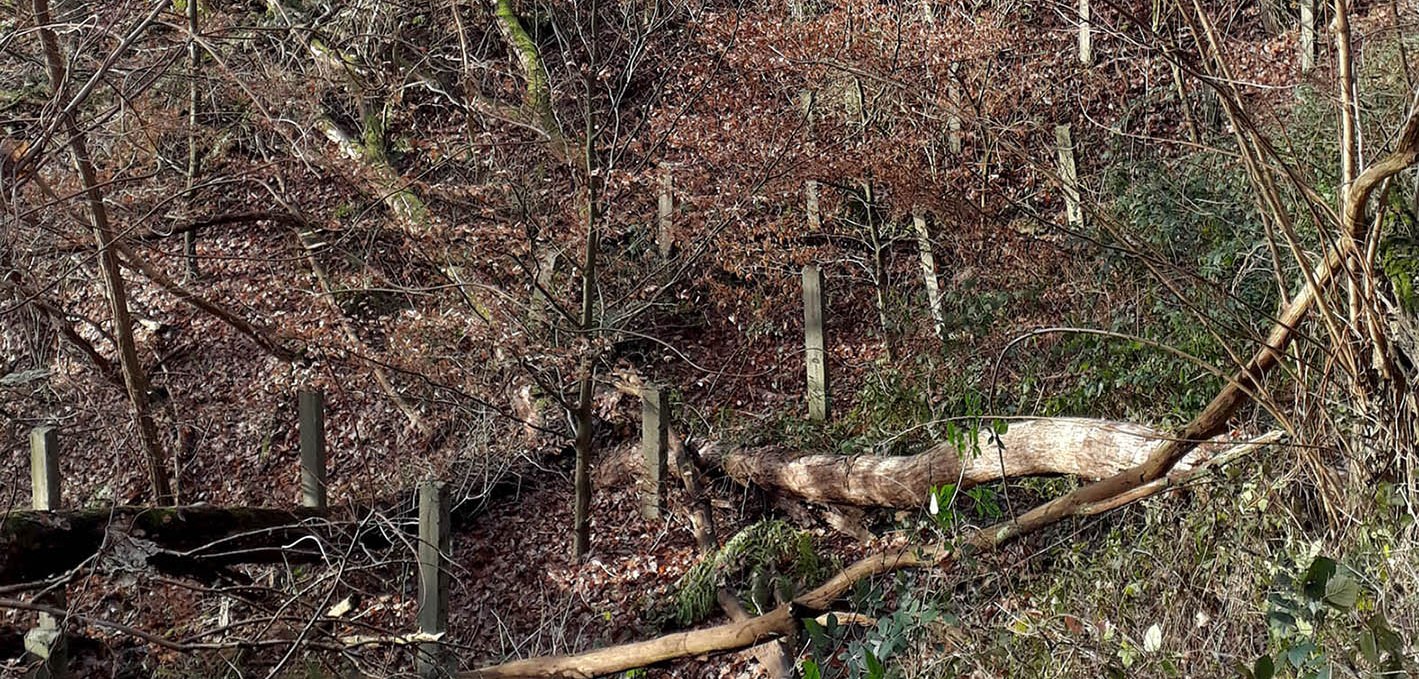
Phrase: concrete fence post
(665,236)
(1086,37)
(312,435)
(814,343)
(1069,175)
(45,643)
(434,546)
(655,444)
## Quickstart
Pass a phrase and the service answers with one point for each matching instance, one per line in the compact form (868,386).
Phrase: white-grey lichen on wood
(1069,175)
(928,271)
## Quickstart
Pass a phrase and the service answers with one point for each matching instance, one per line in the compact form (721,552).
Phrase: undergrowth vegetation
(1258,571)
(570,259)
(1235,577)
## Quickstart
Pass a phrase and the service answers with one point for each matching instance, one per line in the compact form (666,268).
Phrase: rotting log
(200,540)
(1086,448)
(41,544)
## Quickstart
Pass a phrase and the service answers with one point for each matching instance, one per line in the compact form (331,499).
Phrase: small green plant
(1400,260)
(941,507)
(1325,620)
(868,652)
(759,550)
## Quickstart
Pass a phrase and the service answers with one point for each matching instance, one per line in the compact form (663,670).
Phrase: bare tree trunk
(581,507)
(189,238)
(879,267)
(1193,132)
(134,379)
(581,520)
(1349,144)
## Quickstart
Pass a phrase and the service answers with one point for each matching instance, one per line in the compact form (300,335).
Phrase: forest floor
(517,592)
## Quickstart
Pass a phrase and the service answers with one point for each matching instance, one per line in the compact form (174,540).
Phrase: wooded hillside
(531,338)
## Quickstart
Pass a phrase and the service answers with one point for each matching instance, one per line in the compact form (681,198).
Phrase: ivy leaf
(875,669)
(1298,654)
(810,670)
(1385,638)
(1342,592)
(1317,576)
(1153,639)
(1263,668)
(1368,648)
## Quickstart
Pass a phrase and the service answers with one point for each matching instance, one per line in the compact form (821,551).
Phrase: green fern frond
(757,546)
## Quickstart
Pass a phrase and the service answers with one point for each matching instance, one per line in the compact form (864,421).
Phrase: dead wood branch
(1086,448)
(785,619)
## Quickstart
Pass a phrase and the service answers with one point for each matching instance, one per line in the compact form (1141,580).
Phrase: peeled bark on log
(1086,448)
(785,619)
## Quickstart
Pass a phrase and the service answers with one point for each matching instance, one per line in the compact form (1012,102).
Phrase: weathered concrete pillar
(1086,37)
(814,344)
(953,115)
(1069,176)
(1308,35)
(854,101)
(312,434)
(44,468)
(655,446)
(665,235)
(810,199)
(928,271)
(434,545)
(45,643)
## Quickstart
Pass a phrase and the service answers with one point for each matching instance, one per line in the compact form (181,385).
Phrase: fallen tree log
(201,539)
(1154,474)
(41,544)
(190,540)
(785,620)
(1087,448)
